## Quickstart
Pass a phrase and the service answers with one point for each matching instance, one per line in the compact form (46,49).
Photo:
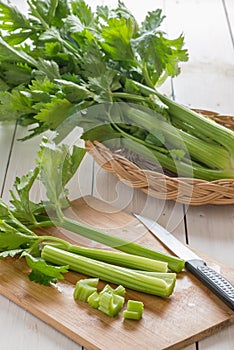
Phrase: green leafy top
(62,42)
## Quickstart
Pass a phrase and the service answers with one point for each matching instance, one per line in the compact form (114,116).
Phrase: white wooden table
(207,81)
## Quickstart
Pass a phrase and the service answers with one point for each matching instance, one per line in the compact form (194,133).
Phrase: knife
(193,263)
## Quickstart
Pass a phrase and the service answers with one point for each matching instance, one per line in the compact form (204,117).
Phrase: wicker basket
(163,186)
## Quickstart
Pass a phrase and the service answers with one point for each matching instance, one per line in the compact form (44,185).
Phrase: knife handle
(213,280)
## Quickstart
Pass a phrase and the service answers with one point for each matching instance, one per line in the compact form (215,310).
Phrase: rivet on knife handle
(213,280)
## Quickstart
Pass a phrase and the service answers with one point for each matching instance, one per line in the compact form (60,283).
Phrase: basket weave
(159,185)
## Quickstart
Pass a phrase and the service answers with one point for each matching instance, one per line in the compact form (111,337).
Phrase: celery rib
(119,258)
(174,263)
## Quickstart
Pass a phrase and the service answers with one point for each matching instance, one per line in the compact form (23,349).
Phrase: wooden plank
(21,330)
(211,229)
(167,323)
(207,79)
(222,340)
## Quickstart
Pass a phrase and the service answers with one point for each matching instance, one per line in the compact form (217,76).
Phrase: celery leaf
(82,11)
(6,111)
(42,272)
(54,112)
(161,55)
(23,206)
(11,18)
(57,166)
(117,37)
(11,253)
(11,238)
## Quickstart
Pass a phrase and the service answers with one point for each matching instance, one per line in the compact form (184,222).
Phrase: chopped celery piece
(134,310)
(107,300)
(134,305)
(84,288)
(110,304)
(93,300)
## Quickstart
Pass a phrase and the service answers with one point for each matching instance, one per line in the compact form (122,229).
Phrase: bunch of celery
(130,264)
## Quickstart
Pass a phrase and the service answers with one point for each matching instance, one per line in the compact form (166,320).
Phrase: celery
(168,277)
(207,141)
(174,263)
(201,125)
(93,300)
(108,272)
(110,304)
(84,288)
(212,155)
(109,300)
(134,310)
(132,315)
(117,258)
(120,290)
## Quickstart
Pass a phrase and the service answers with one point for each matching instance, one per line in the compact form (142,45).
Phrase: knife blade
(217,283)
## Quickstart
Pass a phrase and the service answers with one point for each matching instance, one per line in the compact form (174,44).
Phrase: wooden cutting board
(191,313)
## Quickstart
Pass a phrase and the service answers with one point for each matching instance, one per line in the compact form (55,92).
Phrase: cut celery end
(120,290)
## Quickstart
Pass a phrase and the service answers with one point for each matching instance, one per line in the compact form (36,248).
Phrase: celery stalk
(201,125)
(93,300)
(107,272)
(174,263)
(117,258)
